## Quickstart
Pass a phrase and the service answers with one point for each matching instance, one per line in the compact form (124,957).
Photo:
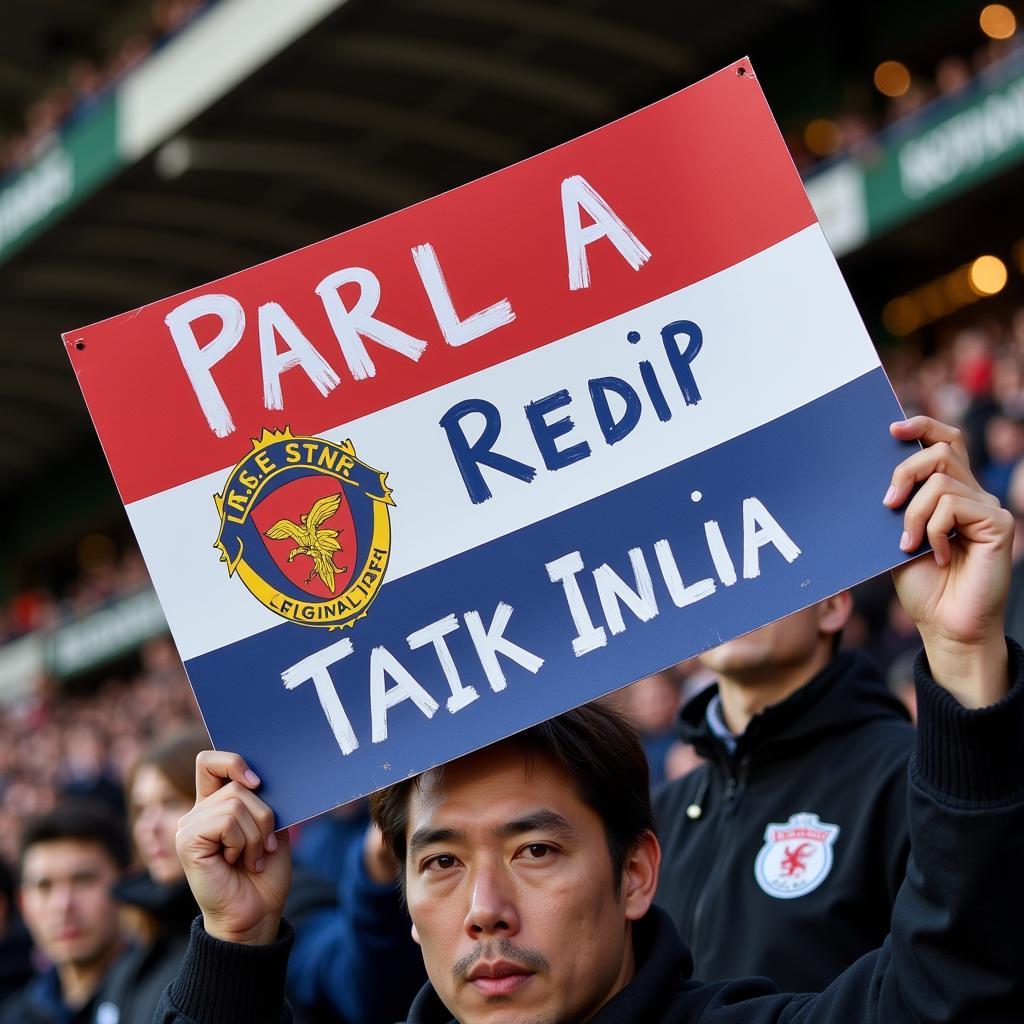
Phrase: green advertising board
(70,167)
(954,146)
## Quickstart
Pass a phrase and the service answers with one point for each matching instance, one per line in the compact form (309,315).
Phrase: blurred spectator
(159,790)
(651,705)
(796,734)
(1004,445)
(70,860)
(681,759)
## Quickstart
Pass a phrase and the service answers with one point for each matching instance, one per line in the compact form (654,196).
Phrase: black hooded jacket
(751,890)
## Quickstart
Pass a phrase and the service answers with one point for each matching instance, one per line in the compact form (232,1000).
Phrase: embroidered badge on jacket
(796,857)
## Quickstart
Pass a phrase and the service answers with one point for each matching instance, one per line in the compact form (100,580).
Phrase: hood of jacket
(849,691)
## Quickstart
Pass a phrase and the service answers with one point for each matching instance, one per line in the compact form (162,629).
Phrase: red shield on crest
(309,532)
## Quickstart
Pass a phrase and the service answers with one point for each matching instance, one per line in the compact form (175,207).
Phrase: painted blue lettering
(545,434)
(615,430)
(680,361)
(470,457)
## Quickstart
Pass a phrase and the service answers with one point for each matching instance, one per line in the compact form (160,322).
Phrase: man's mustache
(505,951)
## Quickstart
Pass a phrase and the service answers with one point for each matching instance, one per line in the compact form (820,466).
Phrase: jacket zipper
(734,786)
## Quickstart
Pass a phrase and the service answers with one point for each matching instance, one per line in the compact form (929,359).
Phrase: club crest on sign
(796,857)
(305,525)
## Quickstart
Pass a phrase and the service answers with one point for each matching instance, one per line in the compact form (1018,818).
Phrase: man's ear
(640,876)
(834,612)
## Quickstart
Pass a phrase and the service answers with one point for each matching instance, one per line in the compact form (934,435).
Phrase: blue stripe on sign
(843,531)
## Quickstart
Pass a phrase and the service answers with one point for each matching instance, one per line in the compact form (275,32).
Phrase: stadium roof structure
(263,126)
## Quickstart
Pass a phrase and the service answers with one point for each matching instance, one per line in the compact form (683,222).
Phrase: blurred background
(148,146)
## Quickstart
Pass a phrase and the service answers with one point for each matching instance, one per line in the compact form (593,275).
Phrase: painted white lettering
(681,595)
(491,642)
(349,324)
(274,321)
(383,664)
(760,528)
(577,194)
(588,636)
(456,332)
(434,634)
(316,667)
(612,589)
(719,553)
(199,360)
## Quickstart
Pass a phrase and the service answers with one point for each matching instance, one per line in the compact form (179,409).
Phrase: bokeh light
(998,21)
(822,136)
(988,275)
(892,78)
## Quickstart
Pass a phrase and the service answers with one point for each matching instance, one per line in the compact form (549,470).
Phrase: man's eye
(442,862)
(537,851)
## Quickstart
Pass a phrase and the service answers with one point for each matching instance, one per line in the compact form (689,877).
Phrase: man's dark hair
(602,756)
(85,820)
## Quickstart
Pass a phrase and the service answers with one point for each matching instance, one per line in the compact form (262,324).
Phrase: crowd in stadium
(899,92)
(90,75)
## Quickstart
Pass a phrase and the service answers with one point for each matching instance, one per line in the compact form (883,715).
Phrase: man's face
(510,888)
(785,645)
(66,901)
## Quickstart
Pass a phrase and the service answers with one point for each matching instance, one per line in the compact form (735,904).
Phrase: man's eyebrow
(424,837)
(537,821)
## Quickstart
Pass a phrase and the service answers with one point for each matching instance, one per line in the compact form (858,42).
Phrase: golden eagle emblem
(313,542)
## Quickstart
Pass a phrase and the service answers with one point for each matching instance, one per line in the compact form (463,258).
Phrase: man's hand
(238,869)
(955,598)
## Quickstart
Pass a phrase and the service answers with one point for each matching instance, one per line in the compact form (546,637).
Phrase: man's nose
(492,907)
(62,898)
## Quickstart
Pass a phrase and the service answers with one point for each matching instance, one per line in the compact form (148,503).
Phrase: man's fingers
(260,813)
(226,826)
(941,505)
(929,431)
(940,458)
(923,505)
(215,768)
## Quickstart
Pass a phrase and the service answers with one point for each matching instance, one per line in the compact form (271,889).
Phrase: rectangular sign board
(423,484)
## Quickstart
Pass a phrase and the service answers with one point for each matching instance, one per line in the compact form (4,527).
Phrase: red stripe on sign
(701,179)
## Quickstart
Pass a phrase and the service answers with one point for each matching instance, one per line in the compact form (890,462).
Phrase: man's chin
(76,954)
(511,1000)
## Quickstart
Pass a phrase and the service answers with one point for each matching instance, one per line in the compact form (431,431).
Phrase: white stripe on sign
(777,309)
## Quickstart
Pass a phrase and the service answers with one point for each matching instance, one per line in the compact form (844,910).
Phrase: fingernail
(938,559)
(905,541)
(271,843)
(258,865)
(889,495)
(251,777)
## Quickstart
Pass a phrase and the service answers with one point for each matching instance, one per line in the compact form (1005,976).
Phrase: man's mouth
(499,978)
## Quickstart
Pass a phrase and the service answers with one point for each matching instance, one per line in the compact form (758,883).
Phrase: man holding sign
(530,866)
